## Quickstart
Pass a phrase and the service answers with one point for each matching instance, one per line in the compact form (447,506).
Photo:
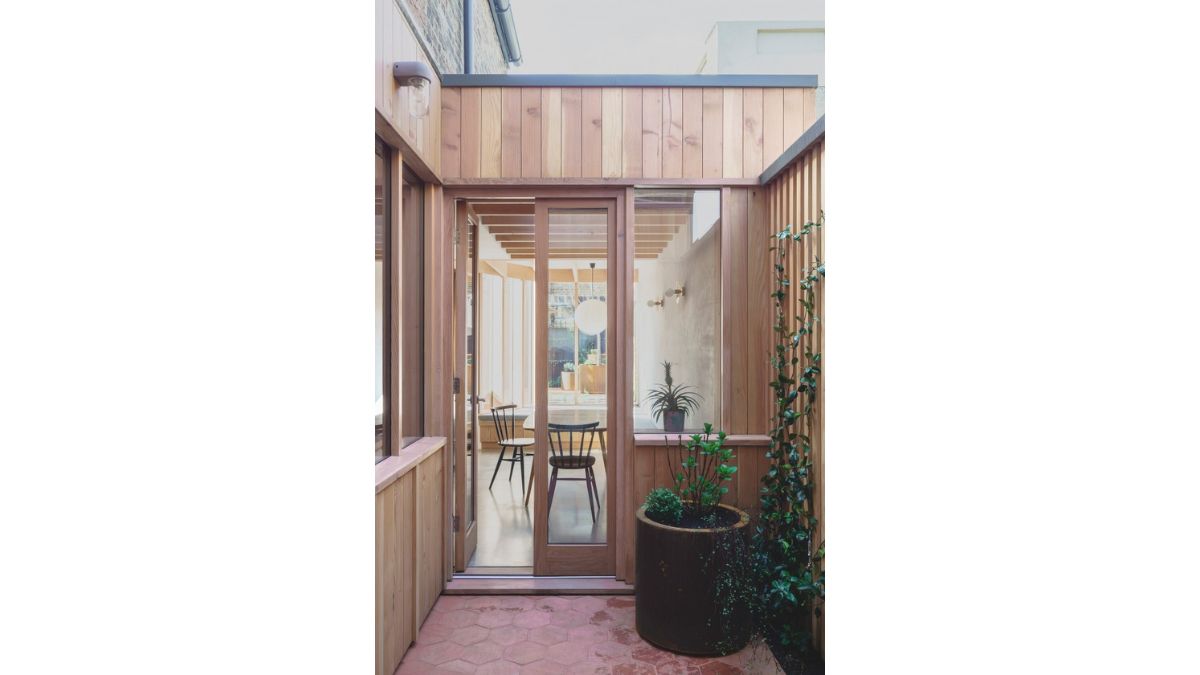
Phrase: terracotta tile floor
(554,634)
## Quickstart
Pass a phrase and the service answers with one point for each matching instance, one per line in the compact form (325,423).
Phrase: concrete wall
(441,24)
(769,47)
(687,334)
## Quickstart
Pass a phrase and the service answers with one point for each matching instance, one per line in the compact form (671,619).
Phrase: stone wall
(440,23)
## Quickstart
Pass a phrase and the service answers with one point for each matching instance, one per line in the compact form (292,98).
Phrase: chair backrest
(505,419)
(564,432)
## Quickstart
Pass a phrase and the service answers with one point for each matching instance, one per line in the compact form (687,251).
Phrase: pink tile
(457,666)
(612,651)
(651,654)
(569,653)
(620,601)
(588,634)
(494,618)
(547,635)
(553,603)
(499,668)
(469,635)
(600,618)
(589,666)
(632,669)
(587,604)
(677,667)
(436,653)
(531,619)
(483,652)
(508,635)
(542,667)
(626,636)
(456,618)
(568,618)
(431,633)
(524,652)
(718,668)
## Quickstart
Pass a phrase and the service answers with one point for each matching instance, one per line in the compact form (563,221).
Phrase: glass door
(576,270)
(465,426)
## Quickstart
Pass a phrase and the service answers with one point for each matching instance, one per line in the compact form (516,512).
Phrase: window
(677,302)
(382,296)
(399,358)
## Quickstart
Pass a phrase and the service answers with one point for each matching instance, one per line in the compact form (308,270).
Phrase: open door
(465,389)
(575,421)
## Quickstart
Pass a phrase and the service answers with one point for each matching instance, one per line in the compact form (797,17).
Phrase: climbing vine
(790,562)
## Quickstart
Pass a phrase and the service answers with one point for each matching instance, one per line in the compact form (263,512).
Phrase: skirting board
(461,585)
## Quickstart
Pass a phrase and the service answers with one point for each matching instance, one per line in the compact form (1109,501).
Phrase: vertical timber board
(451,133)
(611,116)
(491,112)
(572,133)
(406,557)
(752,132)
(772,125)
(728,301)
(531,133)
(552,133)
(713,109)
(731,141)
(758,305)
(386,625)
(631,140)
(592,134)
(469,127)
(672,124)
(693,133)
(793,116)
(652,132)
(739,314)
(510,132)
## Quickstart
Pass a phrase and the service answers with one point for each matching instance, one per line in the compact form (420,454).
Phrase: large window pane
(677,307)
(382,257)
(577,387)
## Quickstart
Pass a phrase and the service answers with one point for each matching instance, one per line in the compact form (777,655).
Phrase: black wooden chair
(505,419)
(566,456)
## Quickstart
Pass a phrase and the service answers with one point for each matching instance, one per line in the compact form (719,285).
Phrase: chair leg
(529,490)
(497,470)
(587,483)
(512,462)
(522,469)
(553,482)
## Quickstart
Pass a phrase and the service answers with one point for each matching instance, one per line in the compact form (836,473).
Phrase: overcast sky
(634,36)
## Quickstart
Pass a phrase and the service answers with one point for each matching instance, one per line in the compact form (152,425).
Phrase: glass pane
(501,345)
(577,390)
(381,416)
(469,381)
(676,309)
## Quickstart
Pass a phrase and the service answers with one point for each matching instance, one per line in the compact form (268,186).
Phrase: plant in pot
(672,403)
(687,540)
(568,376)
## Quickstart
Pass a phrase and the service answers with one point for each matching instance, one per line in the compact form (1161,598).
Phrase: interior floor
(505,523)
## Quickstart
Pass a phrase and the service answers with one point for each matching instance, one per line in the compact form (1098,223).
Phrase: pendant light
(591,316)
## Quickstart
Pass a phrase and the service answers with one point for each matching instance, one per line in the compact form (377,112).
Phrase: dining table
(570,416)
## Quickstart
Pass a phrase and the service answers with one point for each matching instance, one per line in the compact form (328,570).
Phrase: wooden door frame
(466,533)
(620,434)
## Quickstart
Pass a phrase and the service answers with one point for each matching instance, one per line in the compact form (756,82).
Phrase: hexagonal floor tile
(508,635)
(524,652)
(569,653)
(494,618)
(548,635)
(483,652)
(469,635)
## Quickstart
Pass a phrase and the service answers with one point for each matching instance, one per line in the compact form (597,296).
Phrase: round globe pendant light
(591,316)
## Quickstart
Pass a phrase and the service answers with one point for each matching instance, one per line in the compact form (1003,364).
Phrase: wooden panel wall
(394,41)
(652,132)
(409,557)
(796,196)
(745,311)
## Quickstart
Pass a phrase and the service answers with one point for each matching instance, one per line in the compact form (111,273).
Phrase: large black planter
(677,604)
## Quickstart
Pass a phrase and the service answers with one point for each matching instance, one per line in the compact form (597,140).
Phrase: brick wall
(440,22)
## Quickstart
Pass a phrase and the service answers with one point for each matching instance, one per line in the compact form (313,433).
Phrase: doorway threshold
(497,584)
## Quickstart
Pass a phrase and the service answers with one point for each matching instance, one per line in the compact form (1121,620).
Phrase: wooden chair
(505,419)
(565,456)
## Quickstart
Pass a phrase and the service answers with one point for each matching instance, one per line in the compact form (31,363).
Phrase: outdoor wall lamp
(676,293)
(656,302)
(418,76)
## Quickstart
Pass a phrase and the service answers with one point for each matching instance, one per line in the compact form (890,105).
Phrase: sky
(633,36)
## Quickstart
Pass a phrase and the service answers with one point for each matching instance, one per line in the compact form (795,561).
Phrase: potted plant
(686,541)
(568,376)
(672,403)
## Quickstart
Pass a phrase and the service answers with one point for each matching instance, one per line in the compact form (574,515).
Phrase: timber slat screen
(618,132)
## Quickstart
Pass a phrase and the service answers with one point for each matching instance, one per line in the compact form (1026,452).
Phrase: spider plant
(672,403)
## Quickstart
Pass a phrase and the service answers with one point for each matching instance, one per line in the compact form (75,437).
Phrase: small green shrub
(664,506)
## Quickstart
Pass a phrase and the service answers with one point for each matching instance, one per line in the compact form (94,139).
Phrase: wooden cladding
(746,311)
(654,132)
(410,544)
(395,41)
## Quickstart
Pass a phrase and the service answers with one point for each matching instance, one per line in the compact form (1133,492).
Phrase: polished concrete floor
(505,523)
(561,635)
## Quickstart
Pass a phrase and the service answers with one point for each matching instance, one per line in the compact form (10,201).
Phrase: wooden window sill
(741,440)
(392,468)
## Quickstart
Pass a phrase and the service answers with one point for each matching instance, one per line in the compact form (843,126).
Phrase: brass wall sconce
(657,302)
(676,293)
